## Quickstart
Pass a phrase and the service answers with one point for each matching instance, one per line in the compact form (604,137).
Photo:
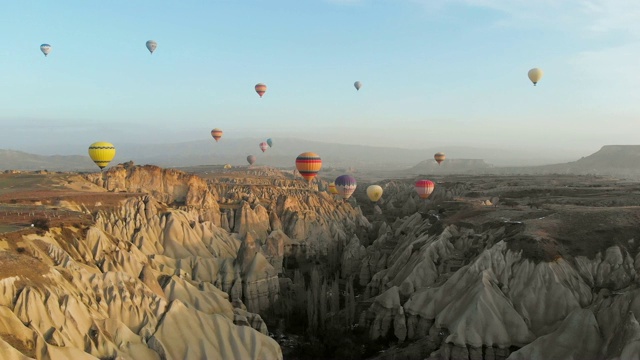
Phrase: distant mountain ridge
(458,166)
(284,151)
(619,160)
(18,160)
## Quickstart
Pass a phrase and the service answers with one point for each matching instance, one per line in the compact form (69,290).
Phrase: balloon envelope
(535,75)
(251,159)
(45,48)
(269,142)
(332,189)
(345,185)
(216,133)
(374,192)
(227,166)
(102,153)
(308,165)
(440,156)
(151,46)
(424,188)
(261,89)
(263,146)
(357,85)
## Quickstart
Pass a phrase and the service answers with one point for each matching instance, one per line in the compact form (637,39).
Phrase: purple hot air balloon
(345,185)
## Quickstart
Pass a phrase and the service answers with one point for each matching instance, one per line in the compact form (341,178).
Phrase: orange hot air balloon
(216,133)
(263,146)
(424,188)
(439,157)
(308,165)
(261,89)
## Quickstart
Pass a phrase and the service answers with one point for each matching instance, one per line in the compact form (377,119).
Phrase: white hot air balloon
(45,48)
(357,85)
(152,45)
(535,75)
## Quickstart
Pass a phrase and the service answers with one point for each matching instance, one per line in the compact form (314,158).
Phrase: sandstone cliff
(156,275)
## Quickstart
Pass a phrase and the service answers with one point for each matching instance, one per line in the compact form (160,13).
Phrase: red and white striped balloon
(424,188)
(264,146)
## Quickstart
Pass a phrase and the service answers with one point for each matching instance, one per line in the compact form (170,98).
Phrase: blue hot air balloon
(45,48)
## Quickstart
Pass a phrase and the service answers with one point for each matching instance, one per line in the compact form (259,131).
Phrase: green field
(9,228)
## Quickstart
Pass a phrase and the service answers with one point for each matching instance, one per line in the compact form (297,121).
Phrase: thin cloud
(614,15)
(591,16)
(612,66)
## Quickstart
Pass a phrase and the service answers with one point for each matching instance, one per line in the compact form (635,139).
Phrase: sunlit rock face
(184,256)
(122,287)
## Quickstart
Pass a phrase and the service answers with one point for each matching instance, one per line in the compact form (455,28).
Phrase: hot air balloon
(227,166)
(269,142)
(345,185)
(332,189)
(251,159)
(535,75)
(374,192)
(357,84)
(152,45)
(439,156)
(424,188)
(263,146)
(308,164)
(45,48)
(261,89)
(216,133)
(102,153)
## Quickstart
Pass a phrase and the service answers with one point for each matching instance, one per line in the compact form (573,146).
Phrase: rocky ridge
(170,263)
(487,286)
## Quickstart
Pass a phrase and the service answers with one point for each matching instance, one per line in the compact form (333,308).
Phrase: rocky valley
(140,262)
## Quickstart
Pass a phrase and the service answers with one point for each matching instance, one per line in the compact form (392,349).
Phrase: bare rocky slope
(490,267)
(548,273)
(180,273)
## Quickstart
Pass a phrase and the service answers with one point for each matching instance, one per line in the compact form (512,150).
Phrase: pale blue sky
(434,72)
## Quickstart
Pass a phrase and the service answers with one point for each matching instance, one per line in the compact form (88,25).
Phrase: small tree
(41,223)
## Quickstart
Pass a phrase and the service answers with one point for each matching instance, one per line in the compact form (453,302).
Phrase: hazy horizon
(511,157)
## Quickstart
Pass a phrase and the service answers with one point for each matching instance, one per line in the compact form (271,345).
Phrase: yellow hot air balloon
(227,166)
(332,189)
(439,157)
(535,75)
(374,192)
(102,153)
